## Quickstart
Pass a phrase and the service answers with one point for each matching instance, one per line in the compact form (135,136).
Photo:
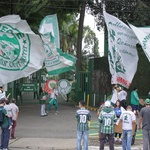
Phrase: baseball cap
(107,104)
(147,101)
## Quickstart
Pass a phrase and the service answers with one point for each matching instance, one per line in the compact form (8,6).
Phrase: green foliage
(133,11)
(90,39)
(72,96)
(141,15)
(35,10)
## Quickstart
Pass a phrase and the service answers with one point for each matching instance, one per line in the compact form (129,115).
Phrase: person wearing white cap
(107,118)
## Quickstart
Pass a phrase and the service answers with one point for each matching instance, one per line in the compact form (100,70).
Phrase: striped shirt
(107,119)
(83,116)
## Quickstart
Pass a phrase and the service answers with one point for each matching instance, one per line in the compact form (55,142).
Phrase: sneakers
(43,115)
(56,112)
(116,139)
(47,112)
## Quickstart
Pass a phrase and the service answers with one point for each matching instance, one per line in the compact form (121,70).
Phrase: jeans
(51,103)
(85,135)
(126,139)
(43,110)
(110,139)
(13,129)
(146,139)
(5,136)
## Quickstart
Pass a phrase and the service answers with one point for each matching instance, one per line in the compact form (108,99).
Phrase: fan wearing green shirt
(107,119)
(5,134)
(135,101)
(83,116)
(42,101)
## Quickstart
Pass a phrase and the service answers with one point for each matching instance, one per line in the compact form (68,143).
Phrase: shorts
(135,107)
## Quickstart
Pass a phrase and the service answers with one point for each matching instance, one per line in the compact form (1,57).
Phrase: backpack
(1,116)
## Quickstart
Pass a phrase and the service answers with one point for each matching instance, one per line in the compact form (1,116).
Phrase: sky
(89,20)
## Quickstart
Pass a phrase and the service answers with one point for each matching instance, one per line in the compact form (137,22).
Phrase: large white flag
(143,35)
(21,50)
(122,53)
(56,61)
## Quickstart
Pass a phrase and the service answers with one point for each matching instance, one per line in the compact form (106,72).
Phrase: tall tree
(126,10)
(34,10)
(91,42)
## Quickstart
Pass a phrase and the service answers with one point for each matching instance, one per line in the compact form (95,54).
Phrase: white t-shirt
(122,95)
(15,110)
(54,94)
(8,109)
(127,118)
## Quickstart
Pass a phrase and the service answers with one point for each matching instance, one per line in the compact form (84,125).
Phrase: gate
(27,90)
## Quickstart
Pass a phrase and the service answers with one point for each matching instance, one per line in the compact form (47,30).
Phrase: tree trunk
(79,41)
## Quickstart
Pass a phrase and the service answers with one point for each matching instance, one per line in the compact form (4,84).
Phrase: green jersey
(107,118)
(5,118)
(83,116)
(42,98)
(134,98)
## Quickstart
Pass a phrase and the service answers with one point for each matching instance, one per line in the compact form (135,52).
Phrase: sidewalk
(56,144)
(53,132)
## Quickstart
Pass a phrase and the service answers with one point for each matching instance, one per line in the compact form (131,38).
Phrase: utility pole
(79,51)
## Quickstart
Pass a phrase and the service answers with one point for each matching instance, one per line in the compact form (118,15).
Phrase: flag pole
(105,32)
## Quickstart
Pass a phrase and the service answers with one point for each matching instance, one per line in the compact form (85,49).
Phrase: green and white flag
(21,50)
(50,25)
(143,35)
(56,61)
(122,53)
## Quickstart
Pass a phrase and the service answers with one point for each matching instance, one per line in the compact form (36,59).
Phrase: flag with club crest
(21,50)
(122,52)
(56,61)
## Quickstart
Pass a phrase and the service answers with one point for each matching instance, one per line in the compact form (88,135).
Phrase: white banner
(122,53)
(21,50)
(143,35)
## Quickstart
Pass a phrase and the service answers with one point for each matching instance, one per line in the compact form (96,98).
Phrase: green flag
(56,61)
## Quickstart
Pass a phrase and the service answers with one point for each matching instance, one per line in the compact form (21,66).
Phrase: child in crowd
(43,103)
(118,110)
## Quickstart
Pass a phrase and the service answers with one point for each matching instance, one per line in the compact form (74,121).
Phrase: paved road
(51,132)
